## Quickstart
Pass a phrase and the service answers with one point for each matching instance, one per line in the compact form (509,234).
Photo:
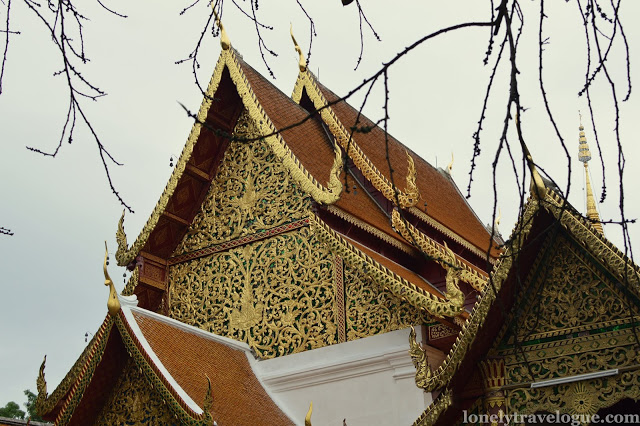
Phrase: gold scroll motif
(372,309)
(252,191)
(441,376)
(572,297)
(411,194)
(599,247)
(132,401)
(228,59)
(443,255)
(384,277)
(577,398)
(277,294)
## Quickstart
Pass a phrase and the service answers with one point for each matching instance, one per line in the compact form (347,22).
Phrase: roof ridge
(265,127)
(399,286)
(407,198)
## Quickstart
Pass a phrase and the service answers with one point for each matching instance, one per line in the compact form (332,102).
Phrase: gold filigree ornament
(263,127)
(581,400)
(409,197)
(384,277)
(456,269)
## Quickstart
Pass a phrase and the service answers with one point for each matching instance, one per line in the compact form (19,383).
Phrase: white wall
(367,382)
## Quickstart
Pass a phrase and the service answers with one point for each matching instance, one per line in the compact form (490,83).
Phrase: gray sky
(62,210)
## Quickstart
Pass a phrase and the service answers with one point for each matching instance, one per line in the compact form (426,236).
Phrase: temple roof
(188,366)
(445,205)
(481,328)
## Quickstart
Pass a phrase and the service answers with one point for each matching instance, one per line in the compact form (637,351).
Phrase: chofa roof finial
(302,63)
(225,42)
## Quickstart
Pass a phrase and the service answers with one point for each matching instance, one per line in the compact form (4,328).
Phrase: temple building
(290,261)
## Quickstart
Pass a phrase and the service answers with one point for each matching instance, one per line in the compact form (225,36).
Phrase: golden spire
(113,304)
(225,42)
(584,155)
(450,166)
(302,63)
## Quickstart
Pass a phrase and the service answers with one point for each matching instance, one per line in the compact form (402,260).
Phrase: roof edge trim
(388,279)
(433,380)
(407,198)
(228,59)
(234,344)
(144,346)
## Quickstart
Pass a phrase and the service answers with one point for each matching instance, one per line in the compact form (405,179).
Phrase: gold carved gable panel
(277,294)
(372,309)
(571,295)
(134,402)
(570,319)
(252,191)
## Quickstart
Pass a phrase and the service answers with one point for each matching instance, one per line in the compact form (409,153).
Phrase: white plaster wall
(367,382)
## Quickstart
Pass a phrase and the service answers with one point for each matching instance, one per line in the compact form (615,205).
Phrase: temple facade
(285,264)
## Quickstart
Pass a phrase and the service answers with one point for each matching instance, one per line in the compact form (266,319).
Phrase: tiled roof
(238,396)
(310,143)
(444,202)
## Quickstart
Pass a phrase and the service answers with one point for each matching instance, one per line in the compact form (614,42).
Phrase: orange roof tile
(310,143)
(397,269)
(238,396)
(444,202)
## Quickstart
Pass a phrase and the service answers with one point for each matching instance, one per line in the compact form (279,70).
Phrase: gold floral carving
(228,59)
(373,309)
(252,192)
(449,233)
(439,253)
(384,277)
(595,243)
(573,297)
(408,198)
(276,294)
(578,398)
(441,376)
(370,229)
(132,401)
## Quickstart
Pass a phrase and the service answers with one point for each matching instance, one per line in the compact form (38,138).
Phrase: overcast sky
(61,210)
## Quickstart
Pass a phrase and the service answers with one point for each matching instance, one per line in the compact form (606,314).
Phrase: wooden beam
(153,283)
(197,173)
(153,257)
(175,218)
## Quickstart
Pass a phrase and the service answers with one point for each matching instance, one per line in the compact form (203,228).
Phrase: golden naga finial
(307,418)
(208,399)
(335,184)
(420,361)
(412,192)
(450,166)
(113,304)
(302,63)
(41,387)
(121,239)
(497,222)
(225,42)
(584,155)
